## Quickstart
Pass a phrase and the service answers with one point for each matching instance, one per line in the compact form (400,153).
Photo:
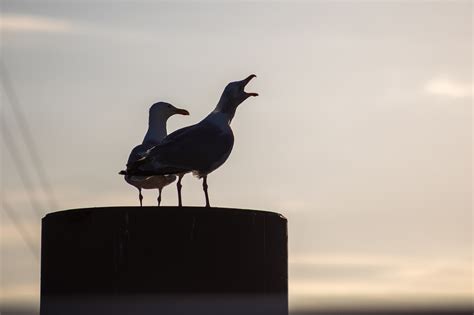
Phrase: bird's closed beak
(182,111)
(246,81)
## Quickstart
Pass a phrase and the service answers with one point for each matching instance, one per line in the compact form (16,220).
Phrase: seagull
(159,114)
(200,148)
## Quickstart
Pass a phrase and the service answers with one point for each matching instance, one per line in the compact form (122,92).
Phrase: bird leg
(204,187)
(140,197)
(178,185)
(159,196)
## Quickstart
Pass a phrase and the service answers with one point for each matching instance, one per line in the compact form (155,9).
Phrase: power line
(29,241)
(21,168)
(27,135)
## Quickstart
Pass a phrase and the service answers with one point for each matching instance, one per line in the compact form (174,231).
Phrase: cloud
(39,24)
(10,236)
(30,23)
(20,294)
(328,280)
(449,88)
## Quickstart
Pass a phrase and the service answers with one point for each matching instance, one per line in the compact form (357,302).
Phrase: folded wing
(198,148)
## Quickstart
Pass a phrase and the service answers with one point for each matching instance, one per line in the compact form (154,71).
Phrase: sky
(361,135)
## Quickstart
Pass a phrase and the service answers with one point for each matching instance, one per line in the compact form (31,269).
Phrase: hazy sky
(361,135)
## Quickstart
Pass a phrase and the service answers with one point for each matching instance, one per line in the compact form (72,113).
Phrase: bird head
(234,94)
(165,110)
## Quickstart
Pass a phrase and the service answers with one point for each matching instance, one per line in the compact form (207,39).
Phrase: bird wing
(177,133)
(196,148)
(139,152)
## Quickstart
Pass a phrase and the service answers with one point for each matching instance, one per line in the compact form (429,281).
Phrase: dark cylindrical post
(167,260)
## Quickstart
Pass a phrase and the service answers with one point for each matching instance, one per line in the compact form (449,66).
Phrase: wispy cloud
(449,88)
(18,23)
(30,23)
(20,294)
(373,279)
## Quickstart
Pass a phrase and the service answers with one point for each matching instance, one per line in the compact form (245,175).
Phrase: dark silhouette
(158,116)
(201,148)
(132,260)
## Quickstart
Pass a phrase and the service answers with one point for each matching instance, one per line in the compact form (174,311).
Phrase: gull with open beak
(200,148)
(158,116)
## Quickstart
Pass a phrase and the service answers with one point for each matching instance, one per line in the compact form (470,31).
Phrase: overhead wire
(21,166)
(21,169)
(25,235)
(27,135)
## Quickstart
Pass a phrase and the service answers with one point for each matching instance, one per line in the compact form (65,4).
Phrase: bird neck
(156,130)
(226,107)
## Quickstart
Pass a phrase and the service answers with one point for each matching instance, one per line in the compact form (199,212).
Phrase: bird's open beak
(182,111)
(246,81)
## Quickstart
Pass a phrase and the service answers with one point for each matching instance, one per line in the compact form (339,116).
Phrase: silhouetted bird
(199,148)
(158,116)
